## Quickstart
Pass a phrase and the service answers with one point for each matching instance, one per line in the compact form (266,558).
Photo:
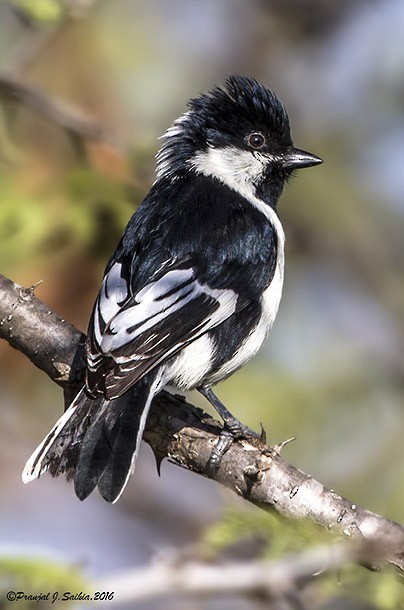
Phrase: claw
(222,445)
(263,434)
(159,458)
(231,431)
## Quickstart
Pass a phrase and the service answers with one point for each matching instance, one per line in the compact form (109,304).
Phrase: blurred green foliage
(250,530)
(43,12)
(36,577)
(90,216)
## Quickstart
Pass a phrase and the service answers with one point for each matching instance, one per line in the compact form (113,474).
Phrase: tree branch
(29,46)
(186,434)
(67,117)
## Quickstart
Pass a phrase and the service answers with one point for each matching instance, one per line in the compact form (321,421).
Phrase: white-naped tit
(192,289)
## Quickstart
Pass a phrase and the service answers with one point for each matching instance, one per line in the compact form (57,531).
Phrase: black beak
(296,159)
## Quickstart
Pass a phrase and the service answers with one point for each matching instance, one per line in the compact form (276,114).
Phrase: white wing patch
(114,291)
(116,325)
(115,285)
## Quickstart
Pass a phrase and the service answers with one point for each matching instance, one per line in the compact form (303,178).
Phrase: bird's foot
(233,430)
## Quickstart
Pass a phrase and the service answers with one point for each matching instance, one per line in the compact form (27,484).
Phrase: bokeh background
(332,372)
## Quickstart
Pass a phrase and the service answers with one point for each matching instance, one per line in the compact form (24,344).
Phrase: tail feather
(94,450)
(59,450)
(110,447)
(125,443)
(96,441)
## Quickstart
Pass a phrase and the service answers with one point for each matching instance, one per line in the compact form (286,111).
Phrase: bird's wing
(131,334)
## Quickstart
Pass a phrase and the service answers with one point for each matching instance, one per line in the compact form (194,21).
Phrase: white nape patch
(177,128)
(188,369)
(163,157)
(160,299)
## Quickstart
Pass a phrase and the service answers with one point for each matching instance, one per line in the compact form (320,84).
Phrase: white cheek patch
(238,169)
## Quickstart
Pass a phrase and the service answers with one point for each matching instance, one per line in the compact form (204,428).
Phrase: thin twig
(59,112)
(270,580)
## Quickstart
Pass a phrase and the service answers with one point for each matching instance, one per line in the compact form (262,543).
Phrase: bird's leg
(232,429)
(233,425)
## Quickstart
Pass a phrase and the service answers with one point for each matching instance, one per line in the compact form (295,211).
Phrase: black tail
(110,445)
(96,441)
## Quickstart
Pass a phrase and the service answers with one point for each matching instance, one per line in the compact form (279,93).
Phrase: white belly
(189,368)
(270,304)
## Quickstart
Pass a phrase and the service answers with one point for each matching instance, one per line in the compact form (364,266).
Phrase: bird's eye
(256,141)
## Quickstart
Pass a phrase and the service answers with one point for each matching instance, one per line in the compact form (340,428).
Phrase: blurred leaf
(246,522)
(38,576)
(389,592)
(87,211)
(23,224)
(43,12)
(239,525)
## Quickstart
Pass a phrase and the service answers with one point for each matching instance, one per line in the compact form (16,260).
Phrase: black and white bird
(193,287)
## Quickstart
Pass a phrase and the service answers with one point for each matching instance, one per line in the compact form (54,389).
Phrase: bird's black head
(238,134)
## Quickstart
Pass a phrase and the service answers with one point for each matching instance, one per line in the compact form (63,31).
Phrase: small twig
(271,580)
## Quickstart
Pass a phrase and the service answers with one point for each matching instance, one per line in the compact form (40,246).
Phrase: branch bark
(186,434)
